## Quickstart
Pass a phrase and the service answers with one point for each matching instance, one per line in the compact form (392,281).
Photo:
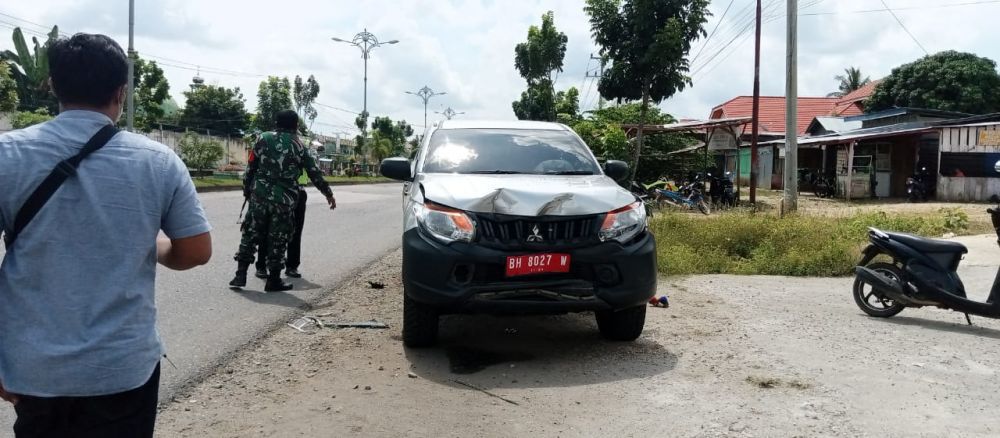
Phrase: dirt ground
(732,356)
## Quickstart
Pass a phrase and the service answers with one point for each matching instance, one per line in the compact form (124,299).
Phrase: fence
(236,152)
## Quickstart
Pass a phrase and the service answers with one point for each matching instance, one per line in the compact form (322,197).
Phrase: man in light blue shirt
(79,350)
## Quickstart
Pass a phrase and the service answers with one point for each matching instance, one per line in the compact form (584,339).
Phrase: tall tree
(31,71)
(218,109)
(567,105)
(8,89)
(849,81)
(647,43)
(536,103)
(151,91)
(390,135)
(538,60)
(273,95)
(305,94)
(949,81)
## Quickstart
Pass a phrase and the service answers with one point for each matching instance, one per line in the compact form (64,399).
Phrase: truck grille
(519,231)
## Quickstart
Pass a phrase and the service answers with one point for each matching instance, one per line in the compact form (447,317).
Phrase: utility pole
(448,113)
(791,111)
(756,113)
(130,101)
(425,94)
(597,77)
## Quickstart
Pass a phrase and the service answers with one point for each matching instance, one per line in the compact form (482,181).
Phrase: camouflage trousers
(269,224)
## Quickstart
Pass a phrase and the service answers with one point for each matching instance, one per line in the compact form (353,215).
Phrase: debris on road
(376,285)
(484,391)
(659,301)
(309,324)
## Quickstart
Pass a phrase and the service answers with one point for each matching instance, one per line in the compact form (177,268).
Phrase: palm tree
(849,81)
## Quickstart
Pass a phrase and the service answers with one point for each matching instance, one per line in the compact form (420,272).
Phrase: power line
(904,27)
(906,8)
(710,35)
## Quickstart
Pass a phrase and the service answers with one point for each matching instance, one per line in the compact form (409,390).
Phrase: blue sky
(465,47)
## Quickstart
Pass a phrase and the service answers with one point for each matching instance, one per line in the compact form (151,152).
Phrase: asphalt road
(202,322)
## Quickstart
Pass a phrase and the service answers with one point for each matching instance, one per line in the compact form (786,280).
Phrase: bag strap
(54,180)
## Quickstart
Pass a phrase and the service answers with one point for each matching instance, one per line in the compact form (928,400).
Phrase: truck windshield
(508,151)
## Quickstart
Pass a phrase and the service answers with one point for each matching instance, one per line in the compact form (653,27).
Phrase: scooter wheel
(871,301)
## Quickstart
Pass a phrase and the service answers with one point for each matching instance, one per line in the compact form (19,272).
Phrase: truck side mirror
(396,168)
(616,170)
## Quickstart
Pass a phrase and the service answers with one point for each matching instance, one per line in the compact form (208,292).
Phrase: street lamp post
(425,94)
(449,113)
(365,41)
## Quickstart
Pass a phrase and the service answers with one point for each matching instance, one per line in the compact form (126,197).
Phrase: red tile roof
(772,111)
(856,98)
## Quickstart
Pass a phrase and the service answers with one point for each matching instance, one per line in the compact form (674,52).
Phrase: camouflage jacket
(275,165)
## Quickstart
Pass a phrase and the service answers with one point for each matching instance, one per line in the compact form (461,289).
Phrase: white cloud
(465,47)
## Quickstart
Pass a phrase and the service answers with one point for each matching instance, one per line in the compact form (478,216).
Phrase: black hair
(287,120)
(87,69)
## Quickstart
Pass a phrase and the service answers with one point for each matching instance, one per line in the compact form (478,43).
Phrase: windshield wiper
(496,172)
(570,172)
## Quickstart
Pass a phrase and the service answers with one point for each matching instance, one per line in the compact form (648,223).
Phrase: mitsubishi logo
(535,236)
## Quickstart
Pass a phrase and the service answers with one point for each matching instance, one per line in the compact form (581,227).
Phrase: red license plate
(537,264)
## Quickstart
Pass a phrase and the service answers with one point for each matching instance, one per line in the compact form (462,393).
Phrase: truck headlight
(444,223)
(624,223)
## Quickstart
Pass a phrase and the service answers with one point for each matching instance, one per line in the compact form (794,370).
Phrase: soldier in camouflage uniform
(270,184)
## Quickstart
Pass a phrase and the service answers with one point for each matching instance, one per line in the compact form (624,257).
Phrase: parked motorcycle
(923,272)
(721,192)
(823,186)
(918,185)
(688,196)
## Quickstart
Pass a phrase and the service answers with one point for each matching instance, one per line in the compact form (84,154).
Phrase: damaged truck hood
(526,195)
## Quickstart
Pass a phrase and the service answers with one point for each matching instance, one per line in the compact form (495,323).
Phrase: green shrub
(199,153)
(748,243)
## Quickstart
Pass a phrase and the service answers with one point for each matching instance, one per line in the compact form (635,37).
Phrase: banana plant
(31,68)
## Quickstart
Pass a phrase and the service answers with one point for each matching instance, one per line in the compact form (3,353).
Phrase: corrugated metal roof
(837,124)
(691,125)
(908,128)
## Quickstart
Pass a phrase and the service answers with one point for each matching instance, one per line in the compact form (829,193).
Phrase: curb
(332,184)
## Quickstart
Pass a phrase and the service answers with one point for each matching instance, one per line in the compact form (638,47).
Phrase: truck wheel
(420,324)
(623,325)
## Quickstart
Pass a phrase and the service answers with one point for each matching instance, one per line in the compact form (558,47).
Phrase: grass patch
(217,182)
(348,179)
(749,243)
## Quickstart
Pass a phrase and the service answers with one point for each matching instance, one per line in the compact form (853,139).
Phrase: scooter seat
(926,245)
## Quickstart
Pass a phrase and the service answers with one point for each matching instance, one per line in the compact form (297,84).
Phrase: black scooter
(922,273)
(721,191)
(917,186)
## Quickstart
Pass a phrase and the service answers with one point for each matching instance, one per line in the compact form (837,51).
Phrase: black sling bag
(56,178)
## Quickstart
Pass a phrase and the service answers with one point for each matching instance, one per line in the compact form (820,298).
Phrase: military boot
(275,284)
(240,279)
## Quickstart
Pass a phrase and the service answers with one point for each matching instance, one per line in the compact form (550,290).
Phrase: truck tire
(420,324)
(623,325)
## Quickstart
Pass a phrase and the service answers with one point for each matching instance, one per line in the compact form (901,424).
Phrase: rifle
(239,219)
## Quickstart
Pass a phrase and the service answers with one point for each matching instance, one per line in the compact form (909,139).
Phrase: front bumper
(470,278)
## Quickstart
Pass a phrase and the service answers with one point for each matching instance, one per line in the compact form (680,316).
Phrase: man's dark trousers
(294,257)
(129,414)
